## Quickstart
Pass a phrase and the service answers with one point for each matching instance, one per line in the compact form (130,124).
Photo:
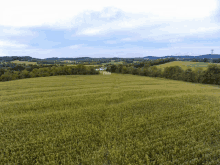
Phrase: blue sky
(97,28)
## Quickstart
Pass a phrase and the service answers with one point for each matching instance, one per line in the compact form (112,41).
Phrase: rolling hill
(115,119)
(185,65)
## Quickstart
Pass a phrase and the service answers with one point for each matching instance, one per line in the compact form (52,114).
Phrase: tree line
(146,68)
(209,76)
(23,71)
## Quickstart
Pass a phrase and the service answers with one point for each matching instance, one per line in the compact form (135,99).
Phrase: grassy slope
(185,64)
(118,118)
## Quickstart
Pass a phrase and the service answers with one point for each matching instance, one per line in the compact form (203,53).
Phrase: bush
(189,75)
(7,76)
(153,71)
(25,74)
(124,70)
(173,72)
(211,75)
(134,71)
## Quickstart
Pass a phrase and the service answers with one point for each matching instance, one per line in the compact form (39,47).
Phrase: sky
(123,28)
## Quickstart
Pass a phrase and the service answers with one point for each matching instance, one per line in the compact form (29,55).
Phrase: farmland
(116,63)
(185,65)
(87,65)
(115,119)
(24,62)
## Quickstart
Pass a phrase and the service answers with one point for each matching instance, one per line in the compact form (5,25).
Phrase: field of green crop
(113,63)
(115,119)
(85,65)
(24,62)
(185,65)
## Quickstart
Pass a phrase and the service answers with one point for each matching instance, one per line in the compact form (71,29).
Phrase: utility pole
(212,51)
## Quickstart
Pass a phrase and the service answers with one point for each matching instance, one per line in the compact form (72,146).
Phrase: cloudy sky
(116,28)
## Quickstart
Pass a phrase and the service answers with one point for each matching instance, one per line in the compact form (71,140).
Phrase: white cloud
(2,53)
(126,39)
(9,31)
(111,42)
(90,32)
(170,21)
(118,25)
(25,13)
(11,44)
(175,40)
(75,46)
(205,29)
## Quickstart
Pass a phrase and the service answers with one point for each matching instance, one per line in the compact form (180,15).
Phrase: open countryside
(186,64)
(115,83)
(115,119)
(24,62)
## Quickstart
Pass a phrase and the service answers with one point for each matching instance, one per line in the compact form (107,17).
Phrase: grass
(117,119)
(85,65)
(24,62)
(185,65)
(113,63)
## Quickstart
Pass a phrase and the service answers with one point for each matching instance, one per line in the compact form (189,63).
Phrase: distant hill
(28,58)
(186,57)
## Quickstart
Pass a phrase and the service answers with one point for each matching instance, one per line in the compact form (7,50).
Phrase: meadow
(185,65)
(113,63)
(24,62)
(114,119)
(85,65)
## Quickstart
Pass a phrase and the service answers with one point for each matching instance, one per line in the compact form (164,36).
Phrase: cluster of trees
(146,68)
(151,62)
(130,68)
(216,60)
(200,60)
(21,72)
(209,76)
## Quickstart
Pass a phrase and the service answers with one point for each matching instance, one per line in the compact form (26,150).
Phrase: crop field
(115,119)
(85,65)
(113,63)
(24,62)
(185,65)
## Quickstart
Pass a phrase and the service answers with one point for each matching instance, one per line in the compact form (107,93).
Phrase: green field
(113,63)
(186,64)
(35,63)
(24,62)
(116,119)
(85,65)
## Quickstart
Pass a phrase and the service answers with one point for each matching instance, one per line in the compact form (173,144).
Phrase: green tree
(34,72)
(205,60)
(194,60)
(111,68)
(7,76)
(119,68)
(153,71)
(44,72)
(134,71)
(25,74)
(189,75)
(211,75)
(199,75)
(173,72)
(15,75)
